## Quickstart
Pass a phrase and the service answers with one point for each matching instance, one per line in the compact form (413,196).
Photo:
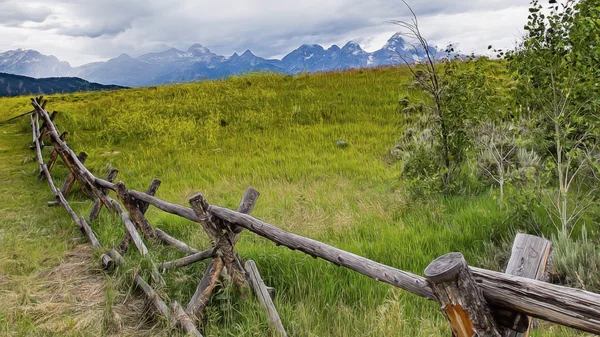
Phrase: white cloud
(81,31)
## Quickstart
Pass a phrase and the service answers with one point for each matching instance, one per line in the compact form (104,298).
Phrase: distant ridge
(199,63)
(15,85)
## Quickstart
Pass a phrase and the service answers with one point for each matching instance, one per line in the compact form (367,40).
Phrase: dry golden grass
(75,298)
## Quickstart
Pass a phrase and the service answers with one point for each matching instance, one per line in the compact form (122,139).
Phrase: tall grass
(278,134)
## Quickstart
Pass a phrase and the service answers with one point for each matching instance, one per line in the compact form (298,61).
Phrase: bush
(576,262)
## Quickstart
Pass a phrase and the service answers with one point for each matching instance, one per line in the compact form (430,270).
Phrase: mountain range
(14,85)
(199,63)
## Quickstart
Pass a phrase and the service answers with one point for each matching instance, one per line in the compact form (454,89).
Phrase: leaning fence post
(529,258)
(264,297)
(461,300)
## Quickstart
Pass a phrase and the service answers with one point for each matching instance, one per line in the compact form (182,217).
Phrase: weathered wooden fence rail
(475,301)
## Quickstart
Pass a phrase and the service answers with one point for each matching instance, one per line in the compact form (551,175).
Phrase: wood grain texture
(171,241)
(134,211)
(137,239)
(152,297)
(138,209)
(184,321)
(81,173)
(461,300)
(260,290)
(205,288)
(223,245)
(79,221)
(529,258)
(380,272)
(187,260)
(221,236)
(581,309)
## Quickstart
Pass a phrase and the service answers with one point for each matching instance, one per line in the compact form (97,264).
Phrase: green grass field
(277,134)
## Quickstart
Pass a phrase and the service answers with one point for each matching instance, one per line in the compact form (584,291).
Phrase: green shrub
(576,262)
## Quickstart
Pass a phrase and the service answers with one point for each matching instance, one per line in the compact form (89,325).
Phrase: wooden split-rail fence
(476,302)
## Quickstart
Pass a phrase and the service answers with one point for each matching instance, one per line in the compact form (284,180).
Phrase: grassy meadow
(277,134)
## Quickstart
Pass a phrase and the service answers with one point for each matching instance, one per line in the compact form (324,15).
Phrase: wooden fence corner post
(462,301)
(530,258)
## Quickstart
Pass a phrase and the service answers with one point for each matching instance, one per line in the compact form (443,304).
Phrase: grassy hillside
(273,132)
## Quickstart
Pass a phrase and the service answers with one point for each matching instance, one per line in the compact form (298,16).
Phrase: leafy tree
(460,90)
(557,76)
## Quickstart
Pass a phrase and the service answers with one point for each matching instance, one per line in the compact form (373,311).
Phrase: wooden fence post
(43,130)
(529,258)
(225,254)
(264,297)
(461,300)
(137,209)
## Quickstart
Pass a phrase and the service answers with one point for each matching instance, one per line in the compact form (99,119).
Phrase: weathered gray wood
(512,292)
(80,222)
(97,206)
(184,320)
(461,300)
(246,206)
(43,131)
(529,258)
(134,211)
(220,235)
(137,209)
(137,240)
(182,211)
(574,308)
(516,293)
(152,297)
(205,288)
(114,260)
(581,317)
(185,261)
(81,173)
(380,272)
(169,240)
(261,292)
(223,247)
(154,185)
(70,179)
(210,277)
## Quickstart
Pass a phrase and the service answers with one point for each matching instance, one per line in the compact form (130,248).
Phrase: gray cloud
(16,13)
(83,31)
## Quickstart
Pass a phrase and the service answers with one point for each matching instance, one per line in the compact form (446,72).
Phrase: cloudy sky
(81,31)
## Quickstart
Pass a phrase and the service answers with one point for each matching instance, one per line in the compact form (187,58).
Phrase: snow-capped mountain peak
(198,62)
